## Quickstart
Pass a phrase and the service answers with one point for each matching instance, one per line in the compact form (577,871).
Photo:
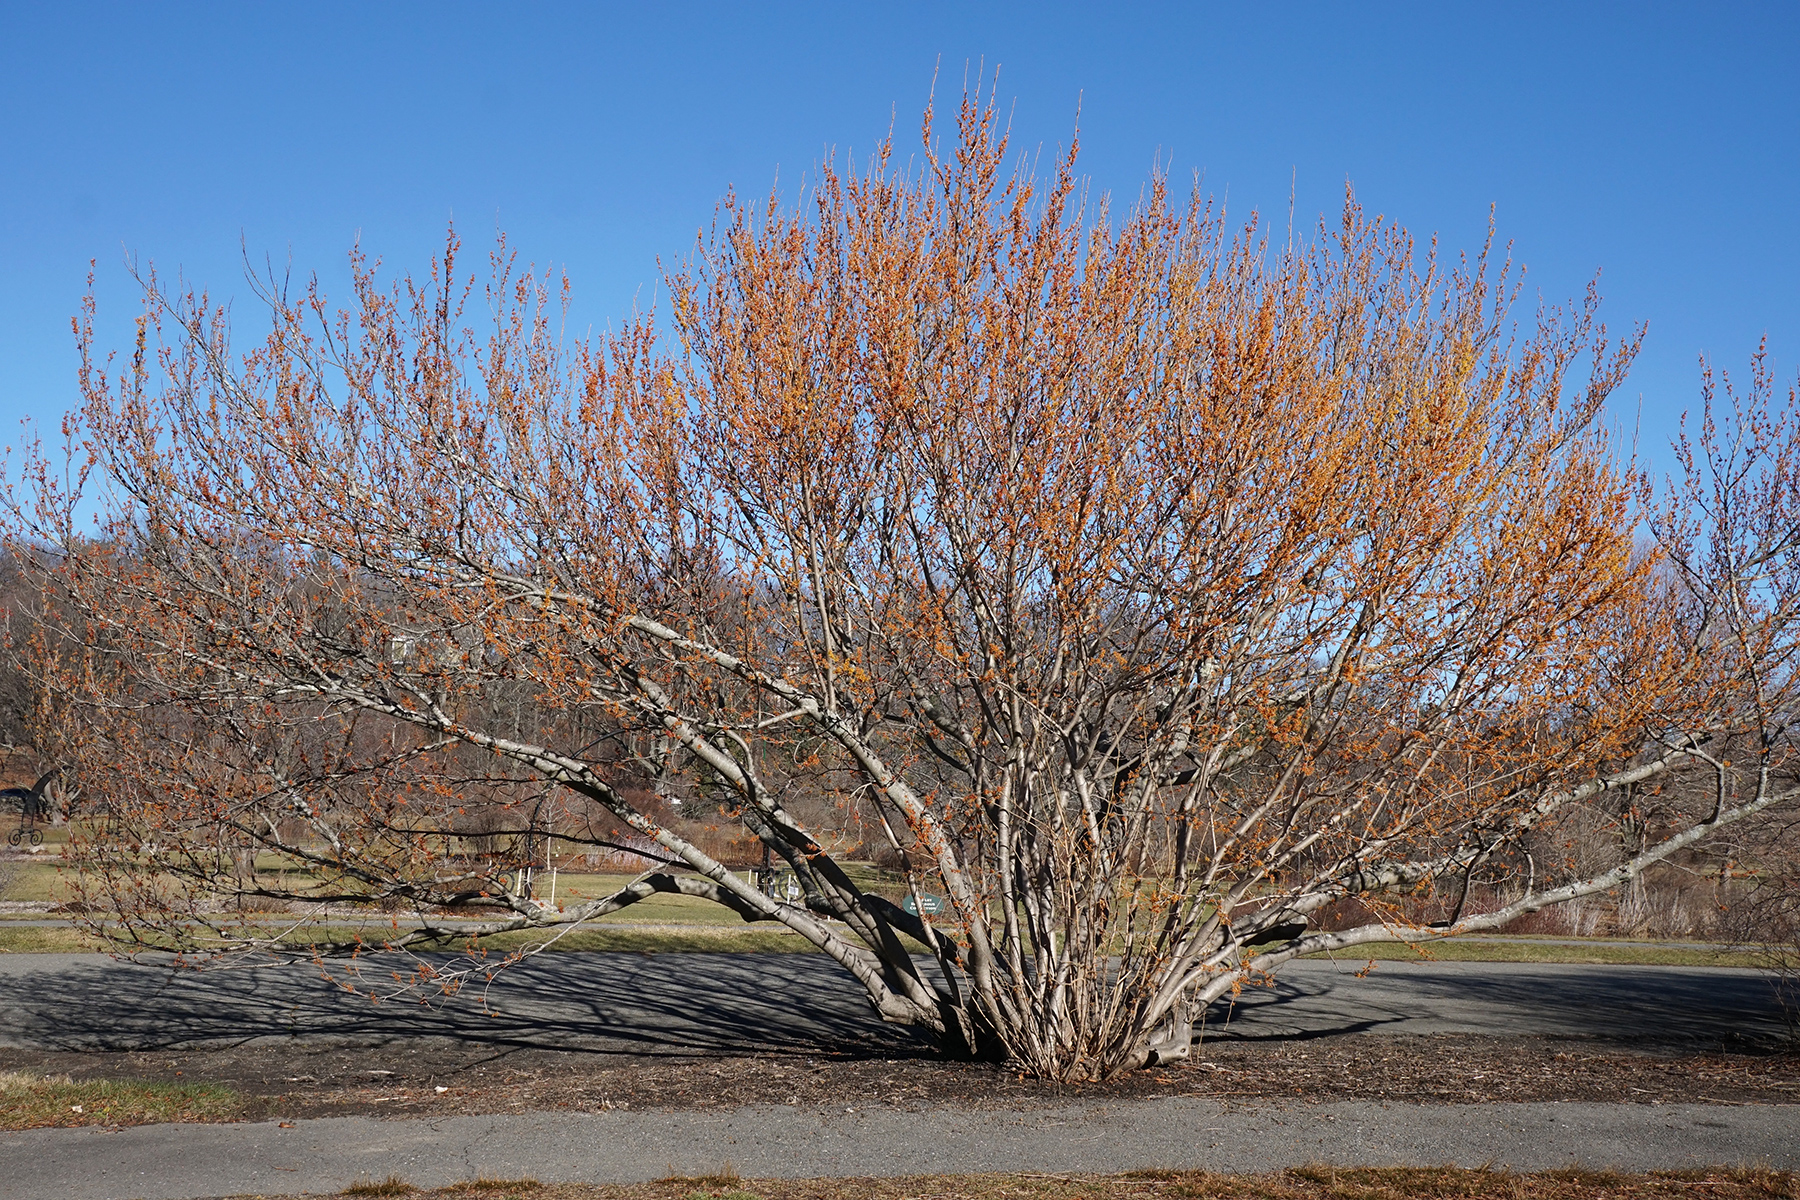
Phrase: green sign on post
(927,904)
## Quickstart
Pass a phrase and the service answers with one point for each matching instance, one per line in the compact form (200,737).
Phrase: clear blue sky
(1658,142)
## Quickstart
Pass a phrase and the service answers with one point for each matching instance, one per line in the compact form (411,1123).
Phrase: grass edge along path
(1527,950)
(714,939)
(67,939)
(1303,1183)
(30,1101)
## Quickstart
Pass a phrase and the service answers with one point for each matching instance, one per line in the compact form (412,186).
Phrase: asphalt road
(180,1161)
(692,1003)
(167,1162)
(746,1003)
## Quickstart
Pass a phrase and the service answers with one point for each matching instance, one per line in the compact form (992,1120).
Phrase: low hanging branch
(1151,588)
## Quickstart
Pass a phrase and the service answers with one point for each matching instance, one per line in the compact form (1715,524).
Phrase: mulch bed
(413,1078)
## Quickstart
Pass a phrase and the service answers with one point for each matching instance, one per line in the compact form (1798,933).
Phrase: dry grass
(678,924)
(1309,1183)
(30,1101)
(64,939)
(667,939)
(1527,951)
(35,878)
(738,938)
(45,939)
(393,1185)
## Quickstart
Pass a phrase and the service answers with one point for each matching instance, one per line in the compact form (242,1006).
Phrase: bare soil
(414,1078)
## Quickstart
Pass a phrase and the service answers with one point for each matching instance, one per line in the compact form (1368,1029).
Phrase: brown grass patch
(1306,1183)
(1523,950)
(393,1185)
(29,1101)
(46,939)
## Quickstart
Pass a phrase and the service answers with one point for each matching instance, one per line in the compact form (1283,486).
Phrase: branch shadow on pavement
(1687,1008)
(631,1004)
(711,1005)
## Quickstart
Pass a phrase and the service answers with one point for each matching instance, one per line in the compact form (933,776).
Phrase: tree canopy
(1145,585)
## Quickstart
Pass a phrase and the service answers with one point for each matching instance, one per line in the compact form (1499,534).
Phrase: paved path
(164,1162)
(760,1003)
(688,1003)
